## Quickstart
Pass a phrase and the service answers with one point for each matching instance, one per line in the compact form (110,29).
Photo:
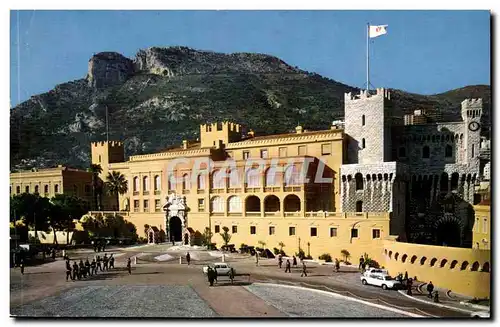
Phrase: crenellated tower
(213,135)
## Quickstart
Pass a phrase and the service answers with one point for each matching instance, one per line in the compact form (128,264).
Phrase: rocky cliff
(159,98)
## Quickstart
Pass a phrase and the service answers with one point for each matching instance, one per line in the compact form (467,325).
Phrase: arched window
(218,180)
(253,177)
(201,182)
(363,143)
(292,175)
(136,184)
(359,206)
(171,183)
(234,204)
(443,263)
(453,264)
(448,151)
(252,204)
(186,185)
(486,267)
(403,259)
(359,181)
(396,256)
(36,188)
(217,204)
(390,254)
(464,265)
(157,183)
(18,189)
(433,262)
(363,120)
(234,179)
(454,181)
(422,261)
(271,203)
(271,177)
(426,152)
(145,183)
(56,188)
(413,258)
(475,266)
(27,189)
(444,182)
(46,189)
(291,203)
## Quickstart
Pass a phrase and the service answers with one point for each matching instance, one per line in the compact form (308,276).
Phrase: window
(476,226)
(229,154)
(157,205)
(201,182)
(292,175)
(136,184)
(36,188)
(448,151)
(333,231)
(145,183)
(235,229)
(314,231)
(56,188)
(359,206)
(217,228)
(186,185)
(326,149)
(271,230)
(201,205)
(302,150)
(46,189)
(157,183)
(253,177)
(291,231)
(136,205)
(426,152)
(27,189)
(354,232)
(472,152)
(252,230)
(18,189)
(234,180)
(99,158)
(146,205)
(234,204)
(218,180)
(376,233)
(171,183)
(485,226)
(402,152)
(271,178)
(87,189)
(363,144)
(359,181)
(263,154)
(246,155)
(217,204)
(282,152)
(363,120)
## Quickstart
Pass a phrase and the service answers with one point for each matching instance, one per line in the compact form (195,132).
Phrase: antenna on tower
(107,124)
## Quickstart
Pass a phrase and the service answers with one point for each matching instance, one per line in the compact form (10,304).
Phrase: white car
(221,267)
(480,314)
(380,279)
(371,270)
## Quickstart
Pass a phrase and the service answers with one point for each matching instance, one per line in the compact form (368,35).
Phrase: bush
(276,251)
(370,262)
(326,256)
(300,254)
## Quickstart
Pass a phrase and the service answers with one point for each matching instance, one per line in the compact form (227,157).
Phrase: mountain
(160,97)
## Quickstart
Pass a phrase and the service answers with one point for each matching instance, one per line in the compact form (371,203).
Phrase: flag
(377,30)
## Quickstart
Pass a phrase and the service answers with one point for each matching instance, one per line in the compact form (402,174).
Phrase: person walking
(210,275)
(188,258)
(53,253)
(406,275)
(409,284)
(93,267)
(280,261)
(87,267)
(105,261)
(111,261)
(129,266)
(287,267)
(82,269)
(294,261)
(361,263)
(304,270)
(68,270)
(99,267)
(76,274)
(231,275)
(256,258)
(430,288)
(337,265)
(21,265)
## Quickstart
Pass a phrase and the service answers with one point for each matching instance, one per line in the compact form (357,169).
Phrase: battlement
(224,126)
(365,94)
(106,152)
(472,109)
(472,103)
(107,143)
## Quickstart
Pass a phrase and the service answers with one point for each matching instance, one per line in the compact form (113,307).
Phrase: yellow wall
(471,280)
(481,230)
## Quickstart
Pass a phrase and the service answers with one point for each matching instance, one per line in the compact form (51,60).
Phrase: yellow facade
(482,226)
(51,181)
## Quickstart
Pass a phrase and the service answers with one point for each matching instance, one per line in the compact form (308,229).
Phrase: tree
(345,254)
(109,226)
(33,210)
(96,169)
(65,209)
(207,237)
(146,228)
(226,237)
(116,184)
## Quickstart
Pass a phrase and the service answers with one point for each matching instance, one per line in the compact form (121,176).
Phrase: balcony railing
(234,190)
(105,213)
(218,190)
(253,213)
(135,193)
(145,193)
(157,192)
(271,214)
(185,191)
(234,214)
(292,188)
(252,189)
(200,191)
(217,213)
(272,189)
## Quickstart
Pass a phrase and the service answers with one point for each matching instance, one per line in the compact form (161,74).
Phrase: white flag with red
(378,30)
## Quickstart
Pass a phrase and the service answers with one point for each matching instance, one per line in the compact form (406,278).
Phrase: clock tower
(472,110)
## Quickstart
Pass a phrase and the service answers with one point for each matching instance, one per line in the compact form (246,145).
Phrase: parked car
(222,268)
(380,279)
(371,270)
(480,314)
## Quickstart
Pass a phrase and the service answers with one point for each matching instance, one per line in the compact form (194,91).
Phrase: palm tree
(116,183)
(95,169)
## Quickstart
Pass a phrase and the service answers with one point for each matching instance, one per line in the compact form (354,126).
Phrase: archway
(448,233)
(292,203)
(175,226)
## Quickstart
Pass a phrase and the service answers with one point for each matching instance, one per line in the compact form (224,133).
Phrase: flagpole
(367,57)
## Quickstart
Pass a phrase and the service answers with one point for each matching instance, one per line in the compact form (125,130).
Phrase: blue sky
(424,51)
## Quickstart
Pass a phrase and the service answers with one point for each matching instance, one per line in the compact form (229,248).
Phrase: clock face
(474,126)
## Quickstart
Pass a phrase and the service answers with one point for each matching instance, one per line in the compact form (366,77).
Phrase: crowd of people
(288,265)
(86,269)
